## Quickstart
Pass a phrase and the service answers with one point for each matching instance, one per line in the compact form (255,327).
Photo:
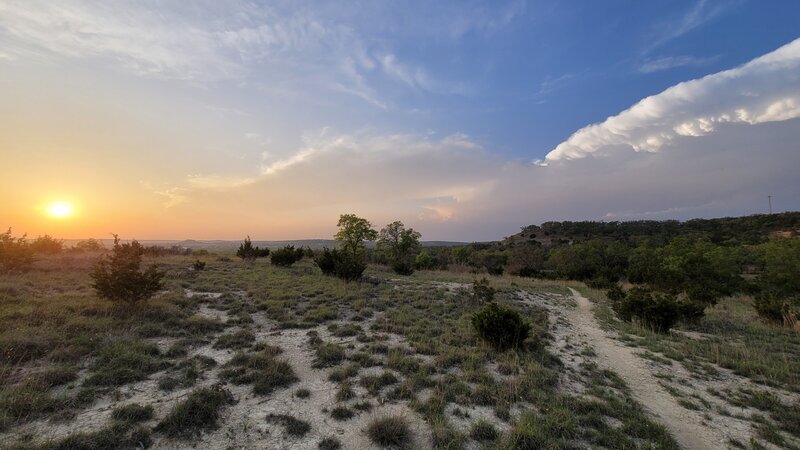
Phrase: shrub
(392,432)
(657,310)
(199,265)
(341,264)
(501,327)
(117,276)
(326,261)
(47,244)
(348,262)
(350,267)
(16,254)
(89,245)
(403,267)
(481,291)
(248,252)
(423,261)
(777,308)
(286,256)
(200,411)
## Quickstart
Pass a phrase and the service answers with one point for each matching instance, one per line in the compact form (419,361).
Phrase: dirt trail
(685,425)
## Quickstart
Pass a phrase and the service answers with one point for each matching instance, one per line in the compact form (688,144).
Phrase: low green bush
(776,308)
(657,310)
(117,276)
(286,256)
(501,327)
(341,264)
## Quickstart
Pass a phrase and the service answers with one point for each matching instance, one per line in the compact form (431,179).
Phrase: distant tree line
(678,268)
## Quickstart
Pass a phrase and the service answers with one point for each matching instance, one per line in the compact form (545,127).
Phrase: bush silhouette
(326,261)
(286,256)
(481,291)
(47,244)
(117,276)
(16,254)
(501,327)
(341,264)
(199,265)
(248,252)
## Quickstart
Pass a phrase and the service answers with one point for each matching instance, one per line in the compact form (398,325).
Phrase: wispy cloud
(699,14)
(671,62)
(144,42)
(293,49)
(418,78)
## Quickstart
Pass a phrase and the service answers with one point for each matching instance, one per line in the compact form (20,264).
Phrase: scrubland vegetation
(130,348)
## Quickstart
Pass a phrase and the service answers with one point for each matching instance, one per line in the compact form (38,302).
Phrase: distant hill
(226,245)
(751,229)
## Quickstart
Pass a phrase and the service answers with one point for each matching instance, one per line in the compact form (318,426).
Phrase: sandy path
(685,425)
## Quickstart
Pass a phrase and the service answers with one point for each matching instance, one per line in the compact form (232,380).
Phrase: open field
(249,355)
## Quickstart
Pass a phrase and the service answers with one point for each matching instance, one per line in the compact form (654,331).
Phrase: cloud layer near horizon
(216,120)
(713,146)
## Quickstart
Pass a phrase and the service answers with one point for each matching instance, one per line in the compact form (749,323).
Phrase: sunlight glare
(60,210)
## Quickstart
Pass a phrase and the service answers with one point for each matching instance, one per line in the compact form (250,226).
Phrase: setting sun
(60,210)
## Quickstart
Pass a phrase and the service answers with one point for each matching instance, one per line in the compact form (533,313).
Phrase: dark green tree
(353,231)
(399,245)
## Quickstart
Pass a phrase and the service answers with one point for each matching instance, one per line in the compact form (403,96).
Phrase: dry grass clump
(342,413)
(390,432)
(132,413)
(262,369)
(237,340)
(328,354)
(329,443)
(200,411)
(292,425)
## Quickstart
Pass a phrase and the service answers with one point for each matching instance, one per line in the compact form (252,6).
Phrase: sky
(466,120)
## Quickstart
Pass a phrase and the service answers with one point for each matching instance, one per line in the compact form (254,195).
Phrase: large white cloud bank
(767,89)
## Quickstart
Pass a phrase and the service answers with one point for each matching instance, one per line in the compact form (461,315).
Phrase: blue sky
(442,114)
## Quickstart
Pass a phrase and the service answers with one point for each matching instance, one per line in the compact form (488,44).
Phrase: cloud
(146,43)
(294,50)
(702,12)
(766,89)
(450,187)
(713,146)
(671,62)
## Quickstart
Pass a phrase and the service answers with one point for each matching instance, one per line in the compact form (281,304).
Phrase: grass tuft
(292,425)
(390,432)
(200,411)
